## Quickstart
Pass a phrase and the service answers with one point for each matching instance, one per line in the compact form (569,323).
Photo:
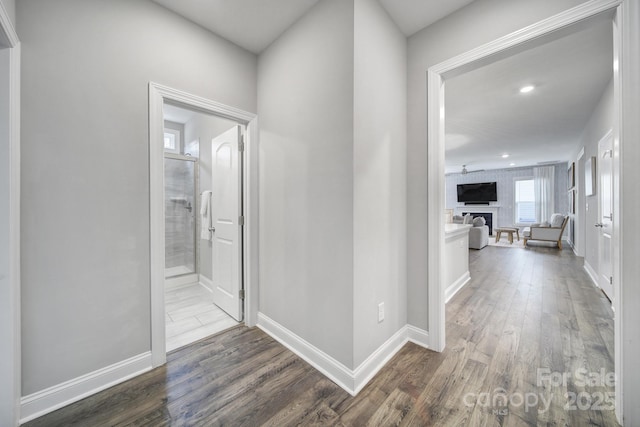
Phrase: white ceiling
(251,24)
(255,24)
(178,114)
(486,115)
(413,15)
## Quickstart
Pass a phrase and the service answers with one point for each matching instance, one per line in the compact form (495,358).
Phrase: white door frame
(158,94)
(503,47)
(10,340)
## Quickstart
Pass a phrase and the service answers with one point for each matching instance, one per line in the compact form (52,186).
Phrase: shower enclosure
(180,189)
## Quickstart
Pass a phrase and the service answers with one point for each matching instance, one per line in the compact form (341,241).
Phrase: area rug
(504,242)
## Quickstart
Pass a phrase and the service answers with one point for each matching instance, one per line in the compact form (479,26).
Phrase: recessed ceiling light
(527,89)
(504,156)
(512,164)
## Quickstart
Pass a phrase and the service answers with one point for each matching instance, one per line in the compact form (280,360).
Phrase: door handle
(599,224)
(212,229)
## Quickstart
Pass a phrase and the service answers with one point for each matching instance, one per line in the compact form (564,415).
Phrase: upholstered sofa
(547,232)
(478,234)
(478,237)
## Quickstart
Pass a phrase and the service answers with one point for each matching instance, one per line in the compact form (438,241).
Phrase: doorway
(542,32)
(202,190)
(187,269)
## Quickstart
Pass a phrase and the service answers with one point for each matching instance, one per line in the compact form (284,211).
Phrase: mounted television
(481,192)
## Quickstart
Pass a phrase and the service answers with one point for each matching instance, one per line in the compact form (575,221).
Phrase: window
(525,201)
(172,140)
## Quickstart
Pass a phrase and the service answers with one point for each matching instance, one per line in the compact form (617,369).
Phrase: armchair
(551,233)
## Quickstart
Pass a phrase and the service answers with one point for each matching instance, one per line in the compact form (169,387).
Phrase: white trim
(593,275)
(158,94)
(376,360)
(351,380)
(435,226)
(14,222)
(418,336)
(12,353)
(8,35)
(206,282)
(625,243)
(327,365)
(453,288)
(177,282)
(37,404)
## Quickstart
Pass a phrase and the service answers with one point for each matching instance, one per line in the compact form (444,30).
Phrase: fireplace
(488,217)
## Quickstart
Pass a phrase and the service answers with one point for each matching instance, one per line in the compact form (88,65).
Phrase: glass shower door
(180,215)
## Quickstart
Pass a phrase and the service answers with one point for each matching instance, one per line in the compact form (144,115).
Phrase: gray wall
(204,127)
(480,22)
(85,207)
(506,189)
(600,122)
(10,7)
(379,177)
(305,105)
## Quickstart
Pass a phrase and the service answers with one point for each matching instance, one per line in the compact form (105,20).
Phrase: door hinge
(241,221)
(611,280)
(241,293)
(241,143)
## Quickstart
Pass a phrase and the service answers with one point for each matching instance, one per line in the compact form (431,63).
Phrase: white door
(226,227)
(605,213)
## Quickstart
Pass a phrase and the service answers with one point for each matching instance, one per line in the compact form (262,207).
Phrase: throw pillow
(468,219)
(557,220)
(479,221)
(457,219)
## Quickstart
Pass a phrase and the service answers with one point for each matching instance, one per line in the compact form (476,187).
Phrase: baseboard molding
(206,282)
(418,336)
(181,281)
(330,367)
(453,288)
(351,380)
(591,273)
(376,361)
(40,403)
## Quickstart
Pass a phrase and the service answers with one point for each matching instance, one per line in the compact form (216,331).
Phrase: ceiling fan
(465,171)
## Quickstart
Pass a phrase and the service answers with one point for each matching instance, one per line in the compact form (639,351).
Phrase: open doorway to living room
(517,135)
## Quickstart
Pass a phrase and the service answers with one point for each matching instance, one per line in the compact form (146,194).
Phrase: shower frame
(183,279)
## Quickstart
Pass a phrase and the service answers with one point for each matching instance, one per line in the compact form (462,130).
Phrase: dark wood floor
(525,310)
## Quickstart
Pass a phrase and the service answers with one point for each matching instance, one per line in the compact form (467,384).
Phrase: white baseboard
(330,367)
(351,380)
(418,336)
(591,273)
(206,282)
(453,288)
(376,361)
(180,281)
(48,400)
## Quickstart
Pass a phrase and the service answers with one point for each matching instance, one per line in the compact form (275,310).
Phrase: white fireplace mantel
(492,209)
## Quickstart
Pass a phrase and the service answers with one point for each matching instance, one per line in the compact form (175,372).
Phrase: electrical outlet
(380,312)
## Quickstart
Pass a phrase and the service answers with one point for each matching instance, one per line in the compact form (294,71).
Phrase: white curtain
(543,183)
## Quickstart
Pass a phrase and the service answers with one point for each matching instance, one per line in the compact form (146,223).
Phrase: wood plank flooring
(528,317)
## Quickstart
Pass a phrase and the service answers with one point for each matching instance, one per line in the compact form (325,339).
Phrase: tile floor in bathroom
(191,315)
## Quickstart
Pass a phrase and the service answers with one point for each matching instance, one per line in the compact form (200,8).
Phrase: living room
(531,118)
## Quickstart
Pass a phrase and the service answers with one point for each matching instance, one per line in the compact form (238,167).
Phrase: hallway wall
(305,105)
(600,122)
(85,207)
